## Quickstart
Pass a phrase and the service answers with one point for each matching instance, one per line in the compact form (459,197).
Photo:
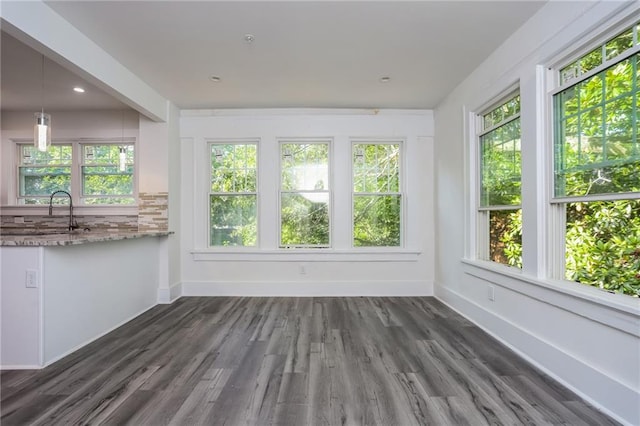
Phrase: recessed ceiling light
(215,79)
(385,79)
(78,89)
(249,38)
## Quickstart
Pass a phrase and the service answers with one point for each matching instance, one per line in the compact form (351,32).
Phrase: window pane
(98,180)
(233,167)
(599,153)
(305,219)
(591,60)
(619,79)
(305,166)
(44,180)
(55,154)
(619,44)
(107,154)
(603,245)
(376,220)
(590,92)
(505,237)
(501,166)
(233,220)
(109,200)
(376,167)
(232,201)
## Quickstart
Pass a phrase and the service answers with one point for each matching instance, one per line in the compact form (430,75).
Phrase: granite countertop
(15,237)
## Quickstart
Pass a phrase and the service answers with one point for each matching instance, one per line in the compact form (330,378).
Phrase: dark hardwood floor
(293,361)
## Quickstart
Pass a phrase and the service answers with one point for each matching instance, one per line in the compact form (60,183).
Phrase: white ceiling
(305,53)
(21,71)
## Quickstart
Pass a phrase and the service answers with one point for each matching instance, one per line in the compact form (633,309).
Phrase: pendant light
(42,128)
(123,150)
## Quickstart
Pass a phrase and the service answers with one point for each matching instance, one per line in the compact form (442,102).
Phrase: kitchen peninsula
(62,290)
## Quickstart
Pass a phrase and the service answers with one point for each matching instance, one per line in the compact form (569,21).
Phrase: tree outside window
(597,165)
(304,194)
(233,199)
(377,199)
(499,212)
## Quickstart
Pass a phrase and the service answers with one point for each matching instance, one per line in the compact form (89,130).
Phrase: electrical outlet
(491,293)
(31,278)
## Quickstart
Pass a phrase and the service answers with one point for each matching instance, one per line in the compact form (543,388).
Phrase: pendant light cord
(42,93)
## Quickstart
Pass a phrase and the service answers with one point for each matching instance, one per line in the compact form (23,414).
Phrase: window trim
(556,243)
(482,214)
(76,174)
(330,191)
(20,200)
(82,196)
(401,188)
(209,143)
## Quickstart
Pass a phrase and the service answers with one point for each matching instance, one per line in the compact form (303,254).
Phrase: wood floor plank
(293,361)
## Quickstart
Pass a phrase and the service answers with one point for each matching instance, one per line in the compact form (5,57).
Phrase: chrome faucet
(72,223)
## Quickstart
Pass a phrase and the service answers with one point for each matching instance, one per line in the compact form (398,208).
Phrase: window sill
(305,255)
(611,309)
(43,210)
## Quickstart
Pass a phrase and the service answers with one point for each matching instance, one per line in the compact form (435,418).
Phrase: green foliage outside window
(233,195)
(500,181)
(41,173)
(597,151)
(304,195)
(603,245)
(501,160)
(304,219)
(376,200)
(102,180)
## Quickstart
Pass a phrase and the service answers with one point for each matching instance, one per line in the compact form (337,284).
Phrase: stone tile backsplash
(153,215)
(128,223)
(153,211)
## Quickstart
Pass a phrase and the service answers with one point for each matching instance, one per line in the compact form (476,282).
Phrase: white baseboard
(613,398)
(20,367)
(307,288)
(169,295)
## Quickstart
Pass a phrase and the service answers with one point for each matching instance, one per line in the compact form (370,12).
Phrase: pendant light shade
(42,128)
(42,131)
(123,159)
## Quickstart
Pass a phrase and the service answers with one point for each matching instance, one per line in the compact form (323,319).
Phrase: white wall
(90,289)
(336,271)
(587,339)
(21,308)
(174,164)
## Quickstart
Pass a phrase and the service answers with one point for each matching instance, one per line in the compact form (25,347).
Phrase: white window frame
(401,192)
(19,199)
(330,191)
(556,247)
(82,196)
(483,213)
(77,161)
(210,144)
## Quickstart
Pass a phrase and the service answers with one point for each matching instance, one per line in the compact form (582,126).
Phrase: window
(107,174)
(233,199)
(377,198)
(102,173)
(499,211)
(304,194)
(597,166)
(42,173)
